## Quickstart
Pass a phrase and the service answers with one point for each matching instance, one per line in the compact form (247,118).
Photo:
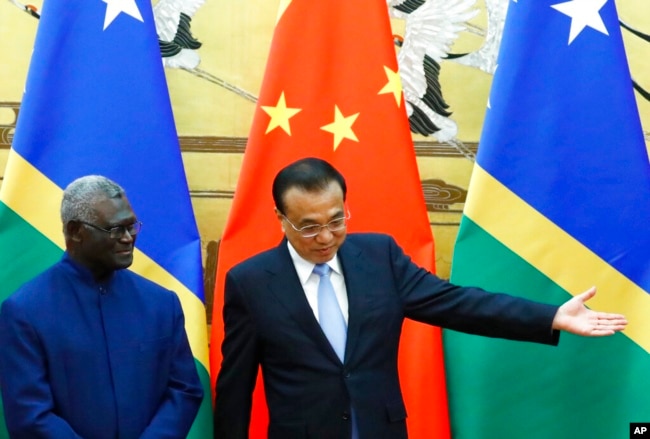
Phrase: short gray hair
(80,196)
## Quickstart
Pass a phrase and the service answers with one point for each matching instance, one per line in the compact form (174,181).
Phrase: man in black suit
(271,316)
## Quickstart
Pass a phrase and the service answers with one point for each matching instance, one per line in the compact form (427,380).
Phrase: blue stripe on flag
(96,101)
(573,146)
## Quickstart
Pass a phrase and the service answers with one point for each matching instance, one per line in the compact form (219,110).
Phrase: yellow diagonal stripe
(558,255)
(37,200)
(33,196)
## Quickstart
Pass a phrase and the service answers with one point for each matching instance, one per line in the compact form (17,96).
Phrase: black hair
(309,174)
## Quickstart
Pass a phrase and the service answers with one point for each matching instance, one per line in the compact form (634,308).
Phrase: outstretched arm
(574,317)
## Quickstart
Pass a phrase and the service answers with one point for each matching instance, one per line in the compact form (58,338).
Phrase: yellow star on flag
(394,85)
(341,127)
(280,115)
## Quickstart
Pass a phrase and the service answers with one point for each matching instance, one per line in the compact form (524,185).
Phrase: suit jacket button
(345,416)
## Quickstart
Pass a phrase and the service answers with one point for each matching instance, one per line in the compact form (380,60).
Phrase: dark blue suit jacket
(98,361)
(309,392)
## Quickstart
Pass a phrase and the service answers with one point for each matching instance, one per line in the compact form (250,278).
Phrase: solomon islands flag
(96,102)
(559,200)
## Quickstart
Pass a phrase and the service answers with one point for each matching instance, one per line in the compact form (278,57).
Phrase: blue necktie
(330,316)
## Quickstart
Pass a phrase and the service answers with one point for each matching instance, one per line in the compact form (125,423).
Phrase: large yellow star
(341,127)
(394,85)
(280,115)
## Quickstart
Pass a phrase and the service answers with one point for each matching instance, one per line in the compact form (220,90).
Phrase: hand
(574,317)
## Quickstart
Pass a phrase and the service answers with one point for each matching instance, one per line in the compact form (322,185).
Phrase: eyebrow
(110,226)
(309,222)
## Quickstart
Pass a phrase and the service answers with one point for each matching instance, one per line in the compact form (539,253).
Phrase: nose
(324,234)
(127,237)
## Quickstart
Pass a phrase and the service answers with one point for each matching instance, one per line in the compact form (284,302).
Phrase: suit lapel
(356,283)
(285,285)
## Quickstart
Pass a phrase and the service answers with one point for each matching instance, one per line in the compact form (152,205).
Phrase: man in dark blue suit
(273,318)
(89,349)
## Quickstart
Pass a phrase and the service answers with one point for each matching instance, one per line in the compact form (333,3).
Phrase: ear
(279,216)
(73,230)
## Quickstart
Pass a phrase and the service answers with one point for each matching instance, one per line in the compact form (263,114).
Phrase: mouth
(324,251)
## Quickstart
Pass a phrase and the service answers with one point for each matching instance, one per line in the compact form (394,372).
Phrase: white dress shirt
(309,281)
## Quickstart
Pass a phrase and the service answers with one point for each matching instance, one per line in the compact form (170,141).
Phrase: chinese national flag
(332,90)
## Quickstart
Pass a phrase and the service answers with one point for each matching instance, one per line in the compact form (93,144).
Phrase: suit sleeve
(238,373)
(177,410)
(429,299)
(26,395)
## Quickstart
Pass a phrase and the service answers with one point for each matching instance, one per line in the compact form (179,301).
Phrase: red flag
(331,90)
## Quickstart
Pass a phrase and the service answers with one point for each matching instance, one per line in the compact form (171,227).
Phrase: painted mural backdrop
(215,52)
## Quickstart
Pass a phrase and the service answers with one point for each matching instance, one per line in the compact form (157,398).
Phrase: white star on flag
(583,13)
(114,7)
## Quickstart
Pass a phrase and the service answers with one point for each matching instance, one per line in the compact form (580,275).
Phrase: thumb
(591,292)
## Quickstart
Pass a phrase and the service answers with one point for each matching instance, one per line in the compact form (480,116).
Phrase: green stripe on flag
(203,425)
(584,388)
(4,434)
(555,253)
(26,251)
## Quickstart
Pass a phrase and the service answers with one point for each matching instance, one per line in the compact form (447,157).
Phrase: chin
(123,262)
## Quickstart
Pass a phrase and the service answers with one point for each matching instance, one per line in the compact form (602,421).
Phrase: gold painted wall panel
(214,111)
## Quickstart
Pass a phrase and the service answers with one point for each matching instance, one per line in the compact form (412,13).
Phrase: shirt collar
(304,268)
(83,272)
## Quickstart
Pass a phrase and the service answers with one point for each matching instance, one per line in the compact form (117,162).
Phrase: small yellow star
(341,127)
(394,85)
(280,115)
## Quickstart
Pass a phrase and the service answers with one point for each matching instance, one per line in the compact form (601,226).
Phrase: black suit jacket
(309,392)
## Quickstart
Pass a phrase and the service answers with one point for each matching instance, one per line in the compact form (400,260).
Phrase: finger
(591,292)
(611,317)
(617,326)
(609,328)
(602,327)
